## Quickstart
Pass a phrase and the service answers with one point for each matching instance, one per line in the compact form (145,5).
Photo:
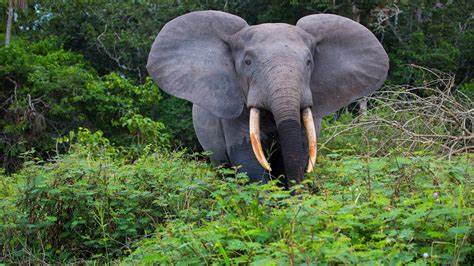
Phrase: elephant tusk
(254,130)
(311,135)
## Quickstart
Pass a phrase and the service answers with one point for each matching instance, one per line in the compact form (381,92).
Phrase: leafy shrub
(145,131)
(383,211)
(93,203)
(176,114)
(48,92)
(425,33)
(468,89)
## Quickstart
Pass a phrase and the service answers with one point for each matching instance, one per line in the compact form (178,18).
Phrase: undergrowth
(97,203)
(383,211)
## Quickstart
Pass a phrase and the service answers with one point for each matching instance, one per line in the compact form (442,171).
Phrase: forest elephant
(266,87)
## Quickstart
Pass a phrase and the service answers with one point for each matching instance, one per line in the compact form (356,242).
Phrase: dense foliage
(50,91)
(383,211)
(95,204)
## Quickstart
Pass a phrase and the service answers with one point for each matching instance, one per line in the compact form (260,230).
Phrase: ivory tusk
(311,135)
(254,130)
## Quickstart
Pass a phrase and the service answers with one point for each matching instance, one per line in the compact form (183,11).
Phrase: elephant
(267,85)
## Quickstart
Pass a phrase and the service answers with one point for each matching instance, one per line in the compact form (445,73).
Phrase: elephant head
(219,62)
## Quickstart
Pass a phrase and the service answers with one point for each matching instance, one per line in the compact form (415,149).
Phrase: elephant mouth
(254,130)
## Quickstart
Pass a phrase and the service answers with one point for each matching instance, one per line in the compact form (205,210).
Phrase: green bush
(176,114)
(48,91)
(358,211)
(94,203)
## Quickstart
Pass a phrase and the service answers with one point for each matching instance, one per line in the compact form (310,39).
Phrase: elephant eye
(247,62)
(308,62)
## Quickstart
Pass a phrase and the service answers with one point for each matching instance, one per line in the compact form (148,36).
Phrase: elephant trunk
(286,111)
(285,103)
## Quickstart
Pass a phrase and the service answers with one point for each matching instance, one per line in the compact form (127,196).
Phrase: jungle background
(97,165)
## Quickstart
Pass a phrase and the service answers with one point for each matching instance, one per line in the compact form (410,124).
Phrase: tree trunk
(363,106)
(8,32)
(355,12)
(356,17)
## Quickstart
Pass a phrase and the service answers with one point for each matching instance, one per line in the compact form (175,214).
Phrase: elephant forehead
(271,32)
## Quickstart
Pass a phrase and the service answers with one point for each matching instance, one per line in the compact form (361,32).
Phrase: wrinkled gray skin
(225,67)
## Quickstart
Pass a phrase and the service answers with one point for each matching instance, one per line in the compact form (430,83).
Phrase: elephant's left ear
(349,61)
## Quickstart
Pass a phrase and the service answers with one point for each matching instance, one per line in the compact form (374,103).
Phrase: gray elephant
(256,86)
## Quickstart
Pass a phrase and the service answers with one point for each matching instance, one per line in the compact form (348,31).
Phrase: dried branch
(431,118)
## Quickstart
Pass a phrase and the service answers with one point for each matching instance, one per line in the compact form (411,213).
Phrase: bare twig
(434,117)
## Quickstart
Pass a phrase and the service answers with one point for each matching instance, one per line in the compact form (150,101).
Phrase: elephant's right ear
(191,60)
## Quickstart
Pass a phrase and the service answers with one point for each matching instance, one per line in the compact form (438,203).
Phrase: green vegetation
(54,91)
(97,165)
(387,211)
(96,204)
